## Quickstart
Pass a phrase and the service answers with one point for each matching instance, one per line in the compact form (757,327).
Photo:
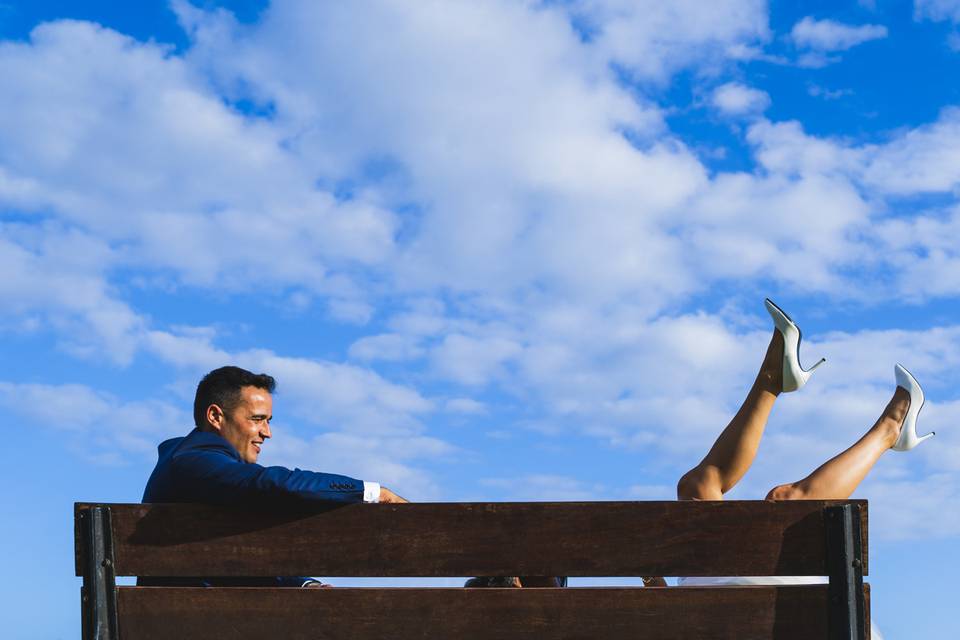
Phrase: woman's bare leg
(837,478)
(735,448)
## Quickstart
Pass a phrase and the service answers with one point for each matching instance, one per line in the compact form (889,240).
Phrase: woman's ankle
(770,376)
(891,421)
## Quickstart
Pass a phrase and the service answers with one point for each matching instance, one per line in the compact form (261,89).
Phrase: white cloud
(861,233)
(795,229)
(467,406)
(937,10)
(829,35)
(541,192)
(655,39)
(922,160)
(817,91)
(816,60)
(327,394)
(98,426)
(525,213)
(652,492)
(914,509)
(924,253)
(127,142)
(915,161)
(784,148)
(470,360)
(548,171)
(953,41)
(141,166)
(735,99)
(58,272)
(186,349)
(341,396)
(940,11)
(543,488)
(551,196)
(386,346)
(382,459)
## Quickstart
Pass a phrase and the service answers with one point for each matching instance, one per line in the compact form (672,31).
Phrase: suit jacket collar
(196,439)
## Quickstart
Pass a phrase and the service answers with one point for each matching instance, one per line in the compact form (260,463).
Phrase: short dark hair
(222,387)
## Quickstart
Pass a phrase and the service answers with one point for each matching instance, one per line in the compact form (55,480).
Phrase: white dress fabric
(765,580)
(747,580)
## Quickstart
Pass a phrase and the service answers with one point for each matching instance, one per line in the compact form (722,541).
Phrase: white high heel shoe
(794,376)
(908,432)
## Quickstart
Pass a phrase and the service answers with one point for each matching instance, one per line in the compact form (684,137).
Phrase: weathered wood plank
(574,539)
(719,613)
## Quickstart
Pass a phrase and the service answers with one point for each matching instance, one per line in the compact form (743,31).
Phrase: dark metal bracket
(99,592)
(847,609)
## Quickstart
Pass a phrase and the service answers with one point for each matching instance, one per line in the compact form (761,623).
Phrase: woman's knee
(686,487)
(700,484)
(792,491)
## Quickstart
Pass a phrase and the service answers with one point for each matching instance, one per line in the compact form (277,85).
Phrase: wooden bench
(734,538)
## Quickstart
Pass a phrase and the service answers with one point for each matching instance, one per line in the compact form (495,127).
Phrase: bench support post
(99,593)
(847,616)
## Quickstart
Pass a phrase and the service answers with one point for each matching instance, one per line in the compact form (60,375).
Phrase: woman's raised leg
(734,450)
(837,478)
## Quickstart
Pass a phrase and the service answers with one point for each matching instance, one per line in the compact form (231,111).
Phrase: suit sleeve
(214,476)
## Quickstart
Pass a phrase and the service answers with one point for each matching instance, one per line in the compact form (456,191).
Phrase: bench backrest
(734,538)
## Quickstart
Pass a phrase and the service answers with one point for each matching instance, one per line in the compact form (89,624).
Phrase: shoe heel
(794,376)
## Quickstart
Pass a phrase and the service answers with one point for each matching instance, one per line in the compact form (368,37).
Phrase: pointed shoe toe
(908,438)
(794,376)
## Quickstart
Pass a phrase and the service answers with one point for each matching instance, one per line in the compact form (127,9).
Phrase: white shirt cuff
(371,491)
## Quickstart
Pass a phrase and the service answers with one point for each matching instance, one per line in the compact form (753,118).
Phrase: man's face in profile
(247,425)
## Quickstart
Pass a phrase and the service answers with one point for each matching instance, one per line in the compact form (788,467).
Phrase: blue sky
(491,250)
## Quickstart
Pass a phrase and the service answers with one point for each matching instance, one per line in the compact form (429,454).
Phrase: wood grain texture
(433,540)
(673,613)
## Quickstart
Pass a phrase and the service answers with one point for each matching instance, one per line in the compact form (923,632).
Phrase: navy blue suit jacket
(204,468)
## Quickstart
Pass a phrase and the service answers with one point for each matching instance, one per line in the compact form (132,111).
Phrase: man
(216,463)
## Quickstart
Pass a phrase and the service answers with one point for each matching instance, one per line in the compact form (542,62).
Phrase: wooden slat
(574,539)
(717,613)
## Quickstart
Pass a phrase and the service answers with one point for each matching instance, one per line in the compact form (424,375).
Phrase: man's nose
(265,431)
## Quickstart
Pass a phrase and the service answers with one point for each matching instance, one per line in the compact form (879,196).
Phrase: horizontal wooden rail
(718,613)
(733,538)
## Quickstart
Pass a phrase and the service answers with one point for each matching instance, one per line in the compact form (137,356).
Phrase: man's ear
(215,417)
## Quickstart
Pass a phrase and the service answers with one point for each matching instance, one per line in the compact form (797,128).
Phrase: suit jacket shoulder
(203,467)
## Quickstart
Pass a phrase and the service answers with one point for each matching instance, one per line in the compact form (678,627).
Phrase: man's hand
(389,496)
